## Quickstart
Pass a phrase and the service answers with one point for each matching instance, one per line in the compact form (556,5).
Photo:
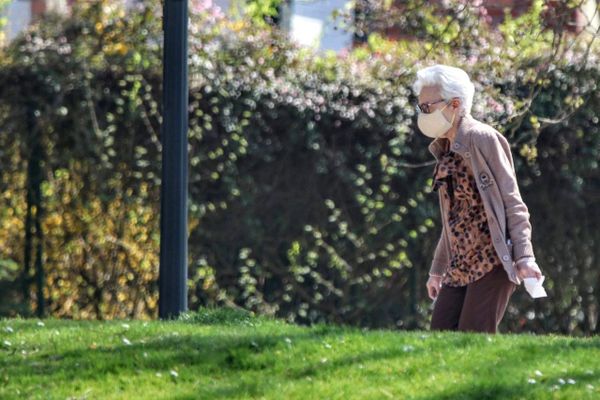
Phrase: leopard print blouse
(472,251)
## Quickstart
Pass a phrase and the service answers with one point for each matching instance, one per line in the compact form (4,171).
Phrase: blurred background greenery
(309,194)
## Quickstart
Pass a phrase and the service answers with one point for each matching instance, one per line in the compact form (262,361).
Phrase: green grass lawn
(220,354)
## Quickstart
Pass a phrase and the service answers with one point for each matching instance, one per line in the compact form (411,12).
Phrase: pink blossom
(200,6)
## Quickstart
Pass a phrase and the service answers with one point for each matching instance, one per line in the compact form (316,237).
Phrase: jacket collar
(462,140)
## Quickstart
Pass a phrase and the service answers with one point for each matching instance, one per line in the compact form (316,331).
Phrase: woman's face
(431,94)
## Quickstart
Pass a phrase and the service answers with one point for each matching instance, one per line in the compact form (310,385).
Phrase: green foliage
(259,11)
(3,6)
(309,189)
(86,84)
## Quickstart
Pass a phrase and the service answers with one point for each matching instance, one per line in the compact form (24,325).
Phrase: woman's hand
(528,269)
(434,283)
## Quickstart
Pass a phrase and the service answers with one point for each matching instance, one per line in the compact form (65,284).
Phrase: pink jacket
(488,153)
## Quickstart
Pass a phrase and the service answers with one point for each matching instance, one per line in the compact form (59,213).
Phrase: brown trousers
(478,306)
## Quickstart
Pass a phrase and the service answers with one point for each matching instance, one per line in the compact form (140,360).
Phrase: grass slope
(225,354)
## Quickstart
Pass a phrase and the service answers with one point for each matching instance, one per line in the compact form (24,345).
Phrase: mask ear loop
(453,115)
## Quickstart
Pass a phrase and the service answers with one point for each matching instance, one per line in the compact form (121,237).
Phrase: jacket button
(456,145)
(467,154)
(506,257)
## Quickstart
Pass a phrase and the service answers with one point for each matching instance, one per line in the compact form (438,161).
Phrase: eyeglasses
(424,107)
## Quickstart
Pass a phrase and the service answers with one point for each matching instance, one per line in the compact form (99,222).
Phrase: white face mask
(434,124)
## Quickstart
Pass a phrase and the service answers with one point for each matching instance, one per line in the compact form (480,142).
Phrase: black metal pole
(173,201)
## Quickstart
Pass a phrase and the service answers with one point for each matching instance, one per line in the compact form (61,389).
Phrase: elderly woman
(485,248)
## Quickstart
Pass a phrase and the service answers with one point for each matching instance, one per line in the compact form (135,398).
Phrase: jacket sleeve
(496,150)
(440,256)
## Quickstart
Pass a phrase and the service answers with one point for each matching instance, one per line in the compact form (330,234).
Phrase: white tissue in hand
(534,287)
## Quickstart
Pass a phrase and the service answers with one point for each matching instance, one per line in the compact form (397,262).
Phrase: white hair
(452,81)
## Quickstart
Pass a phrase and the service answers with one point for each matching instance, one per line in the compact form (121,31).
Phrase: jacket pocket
(509,244)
